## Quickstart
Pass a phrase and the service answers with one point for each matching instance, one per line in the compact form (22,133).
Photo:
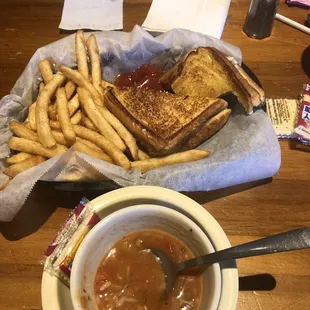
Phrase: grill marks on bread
(206,72)
(163,122)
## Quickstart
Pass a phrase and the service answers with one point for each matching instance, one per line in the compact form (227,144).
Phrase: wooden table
(246,212)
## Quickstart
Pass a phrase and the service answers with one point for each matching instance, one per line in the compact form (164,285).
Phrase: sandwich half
(164,123)
(206,72)
(208,129)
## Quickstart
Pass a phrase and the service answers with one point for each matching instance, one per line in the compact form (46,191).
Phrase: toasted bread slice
(208,129)
(161,121)
(206,72)
(260,92)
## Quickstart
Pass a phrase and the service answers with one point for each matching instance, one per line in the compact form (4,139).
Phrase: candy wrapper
(238,151)
(303,122)
(61,252)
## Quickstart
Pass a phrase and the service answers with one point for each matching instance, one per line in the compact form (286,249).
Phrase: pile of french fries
(70,112)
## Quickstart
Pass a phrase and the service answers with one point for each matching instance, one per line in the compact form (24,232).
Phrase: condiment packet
(303,122)
(92,14)
(204,16)
(283,115)
(60,253)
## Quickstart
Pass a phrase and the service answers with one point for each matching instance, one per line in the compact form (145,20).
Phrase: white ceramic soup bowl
(125,221)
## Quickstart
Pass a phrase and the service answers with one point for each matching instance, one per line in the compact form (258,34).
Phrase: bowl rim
(146,210)
(55,295)
(217,236)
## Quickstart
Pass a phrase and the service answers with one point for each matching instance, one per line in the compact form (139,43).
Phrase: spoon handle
(287,241)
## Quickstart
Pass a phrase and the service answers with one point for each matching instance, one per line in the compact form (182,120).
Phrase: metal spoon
(288,241)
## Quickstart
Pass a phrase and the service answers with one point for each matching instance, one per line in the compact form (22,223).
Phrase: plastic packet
(283,114)
(302,128)
(60,253)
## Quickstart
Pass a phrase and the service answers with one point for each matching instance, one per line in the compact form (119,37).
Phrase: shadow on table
(204,197)
(257,282)
(43,201)
(40,205)
(298,146)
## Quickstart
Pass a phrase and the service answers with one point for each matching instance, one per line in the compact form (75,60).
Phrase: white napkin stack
(92,14)
(205,16)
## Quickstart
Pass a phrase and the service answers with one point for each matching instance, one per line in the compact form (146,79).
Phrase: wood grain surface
(246,212)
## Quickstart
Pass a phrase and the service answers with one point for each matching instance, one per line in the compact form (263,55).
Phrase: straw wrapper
(246,149)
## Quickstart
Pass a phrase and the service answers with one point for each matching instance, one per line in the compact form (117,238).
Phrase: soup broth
(130,276)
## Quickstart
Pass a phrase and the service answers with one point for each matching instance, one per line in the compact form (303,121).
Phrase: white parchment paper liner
(246,149)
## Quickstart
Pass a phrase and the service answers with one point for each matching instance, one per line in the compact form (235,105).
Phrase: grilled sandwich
(206,72)
(208,129)
(163,122)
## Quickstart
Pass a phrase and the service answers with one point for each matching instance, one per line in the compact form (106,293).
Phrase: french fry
(32,111)
(115,153)
(142,155)
(87,123)
(32,116)
(41,86)
(15,169)
(81,81)
(64,117)
(105,84)
(4,184)
(75,119)
(46,70)
(60,139)
(81,55)
(17,158)
(52,111)
(177,158)
(90,144)
(94,56)
(70,89)
(98,120)
(22,131)
(122,131)
(54,125)
(27,124)
(83,148)
(43,127)
(73,104)
(32,147)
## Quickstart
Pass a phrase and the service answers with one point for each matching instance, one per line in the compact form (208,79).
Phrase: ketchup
(146,76)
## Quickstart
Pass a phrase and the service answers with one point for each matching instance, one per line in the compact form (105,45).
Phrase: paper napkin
(205,16)
(92,14)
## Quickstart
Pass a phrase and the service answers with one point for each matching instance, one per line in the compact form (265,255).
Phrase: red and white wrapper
(302,128)
(61,252)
